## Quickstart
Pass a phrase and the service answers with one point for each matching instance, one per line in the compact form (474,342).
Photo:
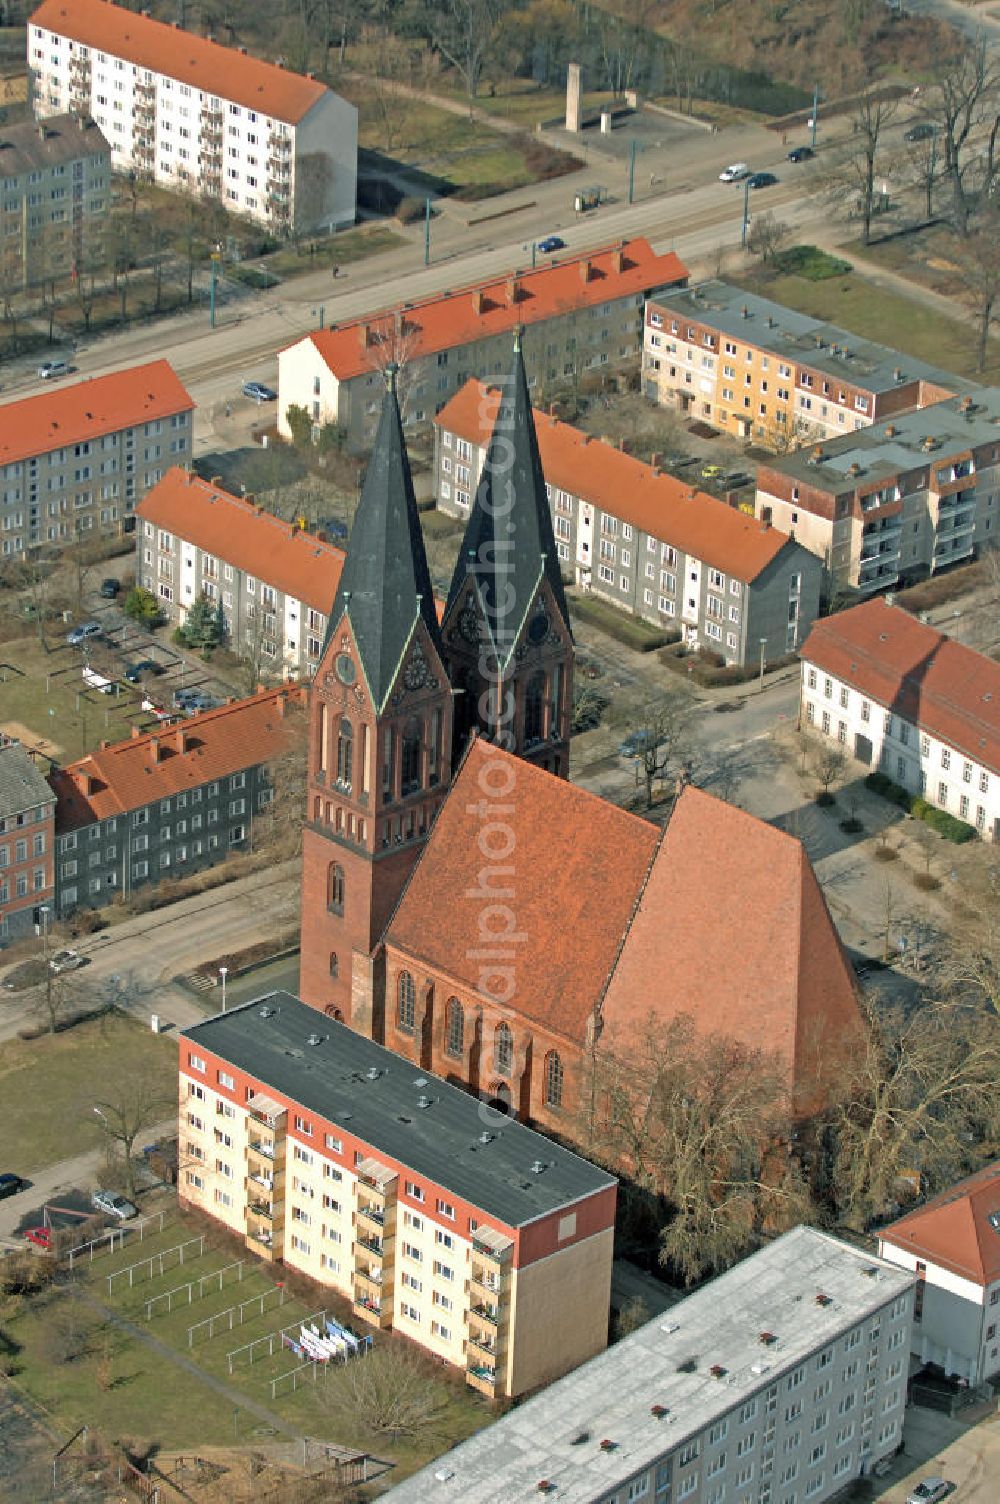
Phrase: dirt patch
(17,731)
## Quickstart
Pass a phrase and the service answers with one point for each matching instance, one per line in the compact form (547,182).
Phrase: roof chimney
(618,257)
(136,733)
(182,740)
(281,704)
(744,312)
(585,269)
(398,324)
(965,405)
(891,430)
(656,459)
(156,752)
(765,524)
(477,300)
(513,290)
(364,333)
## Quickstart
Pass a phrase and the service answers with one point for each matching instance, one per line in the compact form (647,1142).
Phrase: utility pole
(631,170)
(320,312)
(427,231)
(815,115)
(211,294)
(763,645)
(746,212)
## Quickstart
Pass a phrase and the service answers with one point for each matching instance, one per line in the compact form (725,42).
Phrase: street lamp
(320,313)
(746,211)
(223,972)
(763,645)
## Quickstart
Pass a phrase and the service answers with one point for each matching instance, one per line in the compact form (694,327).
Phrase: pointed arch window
(534,709)
(553,1079)
(454,1028)
(345,754)
(503,1050)
(335,888)
(410,754)
(406,1002)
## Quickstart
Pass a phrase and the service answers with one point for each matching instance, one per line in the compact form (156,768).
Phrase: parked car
(636,743)
(110,588)
(199,703)
(10,1185)
(258,392)
(40,1236)
(49,369)
(164,717)
(762,180)
(135,671)
(183,695)
(711,472)
(922,131)
(734,173)
(930,1491)
(801,154)
(80,634)
(551,243)
(66,960)
(113,1205)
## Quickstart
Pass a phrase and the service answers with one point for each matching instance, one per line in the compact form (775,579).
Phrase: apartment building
(170,802)
(643,540)
(901,697)
(579,314)
(55,191)
(187,113)
(456,1226)
(276,582)
(77,459)
(951,1244)
(897,501)
(27,843)
(780,1381)
(761,372)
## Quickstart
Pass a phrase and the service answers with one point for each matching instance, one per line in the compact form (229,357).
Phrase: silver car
(930,1491)
(113,1205)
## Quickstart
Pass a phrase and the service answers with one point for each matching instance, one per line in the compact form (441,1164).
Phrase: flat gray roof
(33,145)
(880,455)
(516,1175)
(799,338)
(558,1434)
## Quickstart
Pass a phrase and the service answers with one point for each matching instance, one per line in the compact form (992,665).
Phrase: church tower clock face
(468,624)
(346,672)
(415,673)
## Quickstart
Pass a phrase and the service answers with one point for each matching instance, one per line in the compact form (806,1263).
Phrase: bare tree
(279,825)
(979,271)
(970,963)
(767,236)
(132,1111)
(465,33)
(394,1392)
(918,1093)
(873,114)
(828,761)
(963,102)
(391,87)
(663,733)
(696,1120)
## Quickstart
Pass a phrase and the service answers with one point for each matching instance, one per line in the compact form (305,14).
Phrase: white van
(734,173)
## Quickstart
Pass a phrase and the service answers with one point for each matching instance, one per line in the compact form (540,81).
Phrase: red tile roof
(578,863)
(245,535)
(482,309)
(948,690)
(88,409)
(193,60)
(123,776)
(618,483)
(956,1229)
(732,929)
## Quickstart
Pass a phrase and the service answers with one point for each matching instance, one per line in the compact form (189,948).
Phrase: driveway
(937,1446)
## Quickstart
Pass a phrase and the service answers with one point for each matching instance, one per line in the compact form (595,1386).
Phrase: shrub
(878,783)
(852,826)
(810,262)
(926,882)
(824,799)
(946,825)
(409,209)
(886,854)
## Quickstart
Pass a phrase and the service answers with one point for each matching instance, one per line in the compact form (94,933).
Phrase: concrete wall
(325,172)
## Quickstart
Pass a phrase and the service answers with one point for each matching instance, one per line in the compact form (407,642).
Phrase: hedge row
(946,825)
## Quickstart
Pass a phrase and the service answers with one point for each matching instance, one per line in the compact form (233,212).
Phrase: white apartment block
(276,583)
(77,459)
(902,698)
(183,111)
(952,1245)
(644,541)
(777,1383)
(487,1244)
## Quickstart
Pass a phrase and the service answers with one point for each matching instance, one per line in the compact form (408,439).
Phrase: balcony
(373,1213)
(367,1245)
(487,1315)
(212,119)
(264,1243)
(482,1376)
(261,1149)
(486,1284)
(211,140)
(267,1211)
(371,1309)
(279,145)
(482,1346)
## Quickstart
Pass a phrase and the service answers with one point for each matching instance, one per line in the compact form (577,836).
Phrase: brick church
(462,902)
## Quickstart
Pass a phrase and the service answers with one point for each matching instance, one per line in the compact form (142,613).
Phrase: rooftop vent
(424,1101)
(767,1338)
(486,1138)
(267,1012)
(891,430)
(659,1411)
(444,1475)
(545,1487)
(759,1368)
(824,1300)
(670,1327)
(744,312)
(420,1082)
(609,1446)
(537,1166)
(870,1271)
(315,1039)
(373,1073)
(688,1366)
(897,374)
(717,1371)
(579,1439)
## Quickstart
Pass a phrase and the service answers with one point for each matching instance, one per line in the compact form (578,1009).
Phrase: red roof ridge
(171,50)
(930,1230)
(629,488)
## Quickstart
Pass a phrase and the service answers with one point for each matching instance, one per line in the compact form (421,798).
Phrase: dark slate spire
(385,584)
(509,543)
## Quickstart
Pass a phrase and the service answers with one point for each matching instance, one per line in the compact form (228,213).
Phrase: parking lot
(967,1455)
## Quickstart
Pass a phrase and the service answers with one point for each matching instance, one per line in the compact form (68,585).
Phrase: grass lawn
(340,250)
(155,1400)
(626,629)
(45,693)
(48,1085)
(878,314)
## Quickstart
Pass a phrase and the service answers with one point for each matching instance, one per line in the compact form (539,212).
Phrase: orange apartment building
(764,373)
(579,313)
(463,1230)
